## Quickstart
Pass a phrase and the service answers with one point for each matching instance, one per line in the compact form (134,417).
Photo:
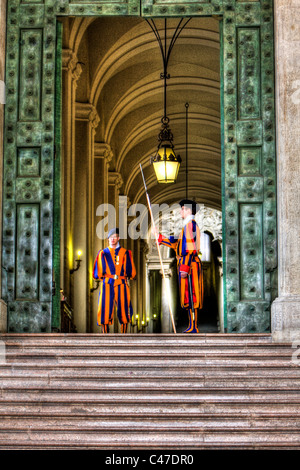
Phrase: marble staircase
(206,391)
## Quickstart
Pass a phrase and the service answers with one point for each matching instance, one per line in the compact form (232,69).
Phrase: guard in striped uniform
(114,266)
(187,248)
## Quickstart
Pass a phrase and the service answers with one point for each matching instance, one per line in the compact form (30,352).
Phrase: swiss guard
(187,248)
(114,266)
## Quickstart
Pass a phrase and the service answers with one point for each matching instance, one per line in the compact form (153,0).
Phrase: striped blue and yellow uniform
(187,248)
(113,267)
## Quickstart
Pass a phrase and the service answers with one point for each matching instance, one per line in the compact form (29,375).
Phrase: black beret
(190,204)
(113,231)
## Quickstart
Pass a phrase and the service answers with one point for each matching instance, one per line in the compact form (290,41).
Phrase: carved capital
(115,178)
(87,112)
(167,272)
(68,58)
(103,150)
(108,156)
(71,64)
(94,118)
(144,247)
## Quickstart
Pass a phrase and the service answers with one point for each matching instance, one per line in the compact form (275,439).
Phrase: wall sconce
(136,321)
(144,324)
(78,261)
(97,285)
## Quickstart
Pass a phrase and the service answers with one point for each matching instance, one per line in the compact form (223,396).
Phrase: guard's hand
(183,274)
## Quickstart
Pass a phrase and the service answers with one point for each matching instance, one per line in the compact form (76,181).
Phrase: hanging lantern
(166,164)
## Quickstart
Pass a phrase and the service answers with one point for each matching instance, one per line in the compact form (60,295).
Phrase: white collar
(116,246)
(188,219)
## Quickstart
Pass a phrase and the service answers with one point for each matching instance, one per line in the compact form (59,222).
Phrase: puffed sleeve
(171,242)
(130,270)
(99,266)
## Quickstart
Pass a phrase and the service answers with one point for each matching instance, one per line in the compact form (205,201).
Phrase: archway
(113,89)
(163,289)
(31,249)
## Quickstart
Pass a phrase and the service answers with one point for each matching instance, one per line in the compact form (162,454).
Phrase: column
(147,289)
(84,224)
(115,183)
(286,308)
(167,299)
(144,249)
(149,310)
(131,245)
(71,71)
(102,158)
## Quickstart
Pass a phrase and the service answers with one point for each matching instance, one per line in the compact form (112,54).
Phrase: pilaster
(286,308)
(115,182)
(71,71)
(87,120)
(167,299)
(102,158)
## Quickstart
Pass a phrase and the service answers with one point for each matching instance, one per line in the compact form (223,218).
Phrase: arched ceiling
(122,63)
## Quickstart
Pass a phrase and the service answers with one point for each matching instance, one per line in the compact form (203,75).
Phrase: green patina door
(31,181)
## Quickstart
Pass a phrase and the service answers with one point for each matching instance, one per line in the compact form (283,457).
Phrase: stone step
(138,359)
(104,342)
(153,349)
(111,372)
(125,371)
(90,338)
(148,392)
(162,439)
(142,424)
(123,383)
(212,408)
(165,396)
(141,345)
(152,362)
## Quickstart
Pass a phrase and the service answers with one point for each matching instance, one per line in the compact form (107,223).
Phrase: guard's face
(185,211)
(113,240)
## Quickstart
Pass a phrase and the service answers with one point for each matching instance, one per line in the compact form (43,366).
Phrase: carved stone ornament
(102,150)
(116,179)
(71,64)
(208,220)
(87,112)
